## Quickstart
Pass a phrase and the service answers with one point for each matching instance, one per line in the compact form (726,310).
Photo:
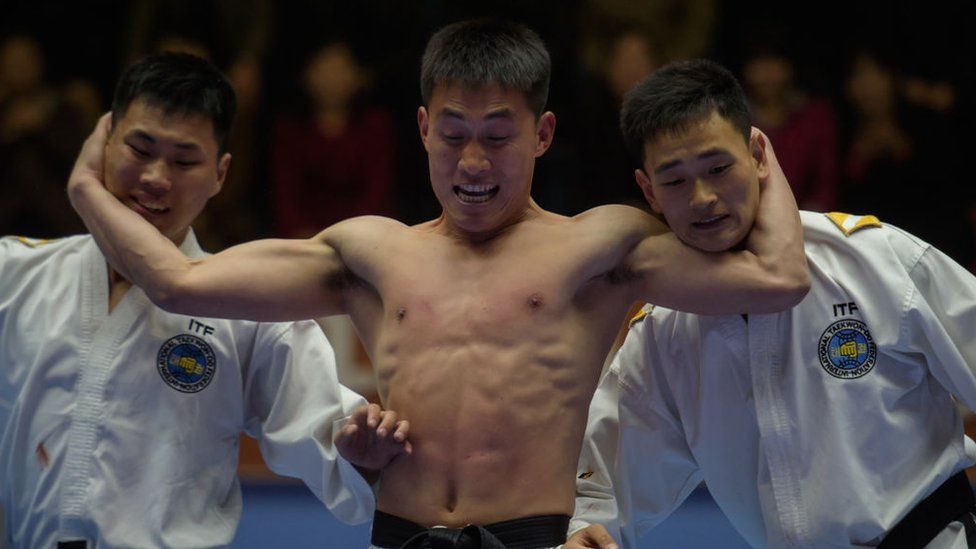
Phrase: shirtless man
(487,326)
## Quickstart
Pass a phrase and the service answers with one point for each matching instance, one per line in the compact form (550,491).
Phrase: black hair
(677,96)
(479,52)
(179,83)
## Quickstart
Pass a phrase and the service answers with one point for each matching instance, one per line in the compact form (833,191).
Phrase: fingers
(372,419)
(388,422)
(104,123)
(402,431)
(601,537)
(99,135)
(374,414)
(593,536)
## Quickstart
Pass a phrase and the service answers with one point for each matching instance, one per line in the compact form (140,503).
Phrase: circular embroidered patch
(847,350)
(186,363)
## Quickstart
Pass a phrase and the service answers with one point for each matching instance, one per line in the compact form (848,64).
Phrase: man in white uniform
(832,424)
(120,422)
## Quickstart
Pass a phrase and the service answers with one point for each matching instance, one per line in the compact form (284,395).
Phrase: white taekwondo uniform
(820,426)
(123,429)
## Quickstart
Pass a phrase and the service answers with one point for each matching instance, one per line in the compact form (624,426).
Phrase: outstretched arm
(769,274)
(262,280)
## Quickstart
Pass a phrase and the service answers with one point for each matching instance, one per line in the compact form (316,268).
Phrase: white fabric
(131,460)
(793,455)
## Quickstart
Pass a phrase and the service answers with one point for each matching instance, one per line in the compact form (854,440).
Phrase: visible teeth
(153,208)
(476,189)
(475,193)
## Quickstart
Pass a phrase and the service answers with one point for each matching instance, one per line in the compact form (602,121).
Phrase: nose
(155,177)
(473,162)
(702,195)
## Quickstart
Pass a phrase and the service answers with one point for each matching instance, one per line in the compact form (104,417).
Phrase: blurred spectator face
(705,182)
(870,87)
(768,78)
(333,76)
(21,64)
(631,59)
(164,167)
(481,145)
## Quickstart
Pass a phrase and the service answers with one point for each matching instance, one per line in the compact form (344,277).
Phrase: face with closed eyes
(704,180)
(481,145)
(164,166)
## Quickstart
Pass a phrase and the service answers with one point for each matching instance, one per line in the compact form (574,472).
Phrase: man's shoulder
(13,248)
(366,228)
(619,221)
(613,212)
(837,242)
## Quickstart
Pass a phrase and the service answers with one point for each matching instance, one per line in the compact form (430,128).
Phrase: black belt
(951,502)
(74,544)
(521,533)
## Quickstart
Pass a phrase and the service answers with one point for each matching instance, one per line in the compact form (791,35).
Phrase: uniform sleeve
(293,400)
(642,468)
(595,501)
(942,322)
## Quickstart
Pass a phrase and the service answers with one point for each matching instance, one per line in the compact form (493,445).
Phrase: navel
(535,301)
(401,313)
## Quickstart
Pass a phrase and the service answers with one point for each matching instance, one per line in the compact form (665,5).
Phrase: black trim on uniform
(951,502)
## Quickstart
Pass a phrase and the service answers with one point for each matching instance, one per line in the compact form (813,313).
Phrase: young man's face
(481,147)
(164,167)
(705,182)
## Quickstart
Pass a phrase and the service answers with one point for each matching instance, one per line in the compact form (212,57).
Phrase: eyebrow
(185,145)
(504,112)
(714,151)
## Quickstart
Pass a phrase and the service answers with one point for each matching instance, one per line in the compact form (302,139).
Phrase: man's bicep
(274,279)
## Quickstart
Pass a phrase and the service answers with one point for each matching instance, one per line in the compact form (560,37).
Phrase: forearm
(133,246)
(776,238)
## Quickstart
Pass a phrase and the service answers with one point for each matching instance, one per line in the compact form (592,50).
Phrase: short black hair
(677,96)
(479,52)
(179,83)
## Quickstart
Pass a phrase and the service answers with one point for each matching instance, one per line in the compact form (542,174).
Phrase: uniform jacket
(820,426)
(123,428)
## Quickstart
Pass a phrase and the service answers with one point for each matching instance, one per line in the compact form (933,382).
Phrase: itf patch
(186,363)
(847,350)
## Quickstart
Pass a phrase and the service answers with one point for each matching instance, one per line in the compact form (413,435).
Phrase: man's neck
(117,288)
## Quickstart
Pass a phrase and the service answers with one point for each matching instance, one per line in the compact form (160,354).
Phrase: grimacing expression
(705,182)
(164,167)
(481,146)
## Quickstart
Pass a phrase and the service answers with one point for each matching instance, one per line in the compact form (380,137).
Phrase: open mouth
(709,222)
(150,207)
(475,194)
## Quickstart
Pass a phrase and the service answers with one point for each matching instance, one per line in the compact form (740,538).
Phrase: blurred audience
(901,162)
(802,127)
(334,157)
(605,172)
(41,126)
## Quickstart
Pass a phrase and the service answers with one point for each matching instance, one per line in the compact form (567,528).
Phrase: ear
(757,149)
(423,123)
(544,132)
(644,182)
(222,166)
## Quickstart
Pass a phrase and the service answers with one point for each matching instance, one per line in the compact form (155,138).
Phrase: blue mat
(290,516)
